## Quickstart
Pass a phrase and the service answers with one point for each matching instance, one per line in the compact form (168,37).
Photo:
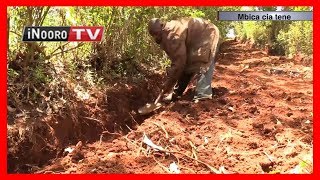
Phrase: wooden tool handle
(159,97)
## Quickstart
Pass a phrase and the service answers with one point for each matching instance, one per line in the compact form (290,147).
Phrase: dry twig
(162,127)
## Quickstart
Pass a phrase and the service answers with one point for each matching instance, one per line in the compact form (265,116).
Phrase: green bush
(283,37)
(298,38)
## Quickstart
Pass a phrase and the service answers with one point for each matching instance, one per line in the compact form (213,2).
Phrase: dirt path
(259,121)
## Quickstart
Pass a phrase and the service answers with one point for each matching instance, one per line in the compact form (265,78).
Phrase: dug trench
(34,143)
(259,121)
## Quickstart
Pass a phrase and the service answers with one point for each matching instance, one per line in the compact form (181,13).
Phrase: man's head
(155,27)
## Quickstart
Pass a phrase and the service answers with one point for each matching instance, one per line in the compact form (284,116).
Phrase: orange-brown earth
(259,121)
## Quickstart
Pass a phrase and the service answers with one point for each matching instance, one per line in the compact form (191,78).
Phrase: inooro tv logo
(62,33)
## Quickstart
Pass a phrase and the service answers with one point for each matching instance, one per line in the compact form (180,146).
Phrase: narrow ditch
(32,144)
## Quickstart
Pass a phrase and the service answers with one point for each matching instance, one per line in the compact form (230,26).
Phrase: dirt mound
(32,143)
(259,121)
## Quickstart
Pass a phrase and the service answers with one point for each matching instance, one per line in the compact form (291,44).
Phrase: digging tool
(149,107)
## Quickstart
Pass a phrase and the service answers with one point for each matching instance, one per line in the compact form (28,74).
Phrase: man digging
(191,44)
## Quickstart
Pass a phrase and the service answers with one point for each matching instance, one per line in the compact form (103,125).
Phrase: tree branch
(16,33)
(44,15)
(54,54)
(59,47)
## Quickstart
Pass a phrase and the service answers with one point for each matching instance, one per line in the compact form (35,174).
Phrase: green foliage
(125,30)
(298,38)
(126,50)
(283,37)
(252,30)
(12,73)
(40,76)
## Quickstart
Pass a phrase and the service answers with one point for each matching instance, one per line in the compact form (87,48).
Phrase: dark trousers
(182,84)
(203,87)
